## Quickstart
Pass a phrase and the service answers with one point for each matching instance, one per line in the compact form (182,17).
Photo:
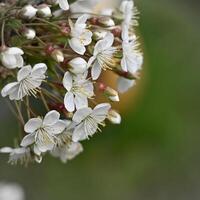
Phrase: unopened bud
(106,21)
(114,117)
(57,55)
(44,11)
(29,33)
(111,94)
(78,65)
(28,12)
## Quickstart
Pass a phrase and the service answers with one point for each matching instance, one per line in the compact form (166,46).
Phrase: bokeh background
(155,153)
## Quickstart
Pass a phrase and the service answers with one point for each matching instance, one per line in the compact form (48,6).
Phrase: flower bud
(106,21)
(28,12)
(29,33)
(44,11)
(78,65)
(57,55)
(114,117)
(111,94)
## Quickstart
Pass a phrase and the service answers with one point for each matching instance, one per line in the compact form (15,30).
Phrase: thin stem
(52,96)
(2,33)
(44,101)
(47,22)
(28,105)
(39,40)
(19,113)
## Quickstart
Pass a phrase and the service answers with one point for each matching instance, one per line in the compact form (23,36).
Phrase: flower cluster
(53,60)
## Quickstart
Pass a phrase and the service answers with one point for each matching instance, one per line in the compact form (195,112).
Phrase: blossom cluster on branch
(53,61)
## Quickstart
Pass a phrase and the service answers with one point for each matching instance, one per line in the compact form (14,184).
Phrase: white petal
(77,46)
(124,65)
(104,44)
(9,61)
(14,51)
(57,128)
(81,101)
(9,88)
(36,150)
(20,61)
(39,69)
(69,101)
(32,125)
(67,81)
(100,112)
(64,4)
(24,72)
(28,140)
(96,70)
(78,65)
(91,61)
(86,37)
(81,114)
(82,19)
(6,150)
(124,84)
(79,133)
(51,118)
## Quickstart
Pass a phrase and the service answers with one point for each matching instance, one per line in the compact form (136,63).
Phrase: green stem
(2,33)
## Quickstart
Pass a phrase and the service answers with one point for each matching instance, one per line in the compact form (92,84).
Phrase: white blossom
(124,84)
(30,33)
(58,56)
(78,65)
(102,56)
(129,13)
(104,7)
(22,155)
(68,151)
(79,89)
(88,121)
(28,82)
(42,132)
(11,191)
(64,5)
(80,35)
(44,11)
(132,59)
(114,117)
(12,58)
(28,11)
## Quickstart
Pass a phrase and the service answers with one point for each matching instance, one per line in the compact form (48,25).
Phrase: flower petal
(96,71)
(64,4)
(6,150)
(14,51)
(24,72)
(51,118)
(77,46)
(81,101)
(124,84)
(32,125)
(39,69)
(69,101)
(67,81)
(81,114)
(79,133)
(100,112)
(57,128)
(9,88)
(28,140)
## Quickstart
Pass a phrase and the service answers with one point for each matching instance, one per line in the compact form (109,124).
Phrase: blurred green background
(155,153)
